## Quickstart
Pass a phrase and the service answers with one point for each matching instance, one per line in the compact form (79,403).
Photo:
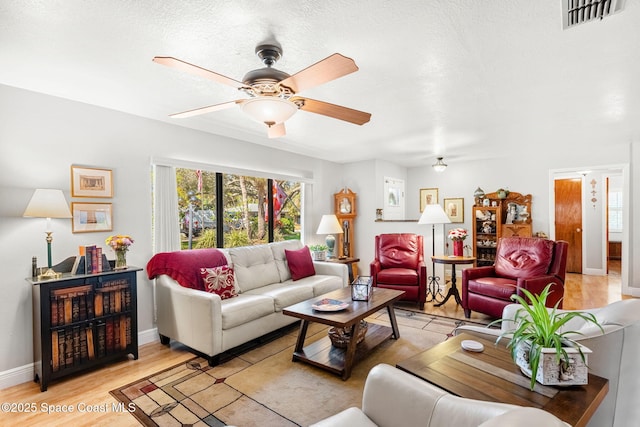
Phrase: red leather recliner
(521,263)
(399,264)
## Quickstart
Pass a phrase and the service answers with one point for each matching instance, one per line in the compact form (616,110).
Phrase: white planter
(550,372)
(319,255)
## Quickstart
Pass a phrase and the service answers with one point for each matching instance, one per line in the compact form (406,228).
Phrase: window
(615,211)
(238,205)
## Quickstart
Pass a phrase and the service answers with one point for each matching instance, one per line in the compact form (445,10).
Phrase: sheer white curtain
(166,229)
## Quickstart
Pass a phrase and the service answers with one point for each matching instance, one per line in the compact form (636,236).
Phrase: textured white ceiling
(463,79)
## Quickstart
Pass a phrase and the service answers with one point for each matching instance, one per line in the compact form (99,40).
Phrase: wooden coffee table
(322,353)
(493,376)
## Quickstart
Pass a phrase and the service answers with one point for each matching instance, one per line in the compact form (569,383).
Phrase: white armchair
(395,398)
(616,356)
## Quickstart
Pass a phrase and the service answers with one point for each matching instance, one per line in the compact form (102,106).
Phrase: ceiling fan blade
(331,110)
(198,71)
(330,68)
(203,110)
(276,130)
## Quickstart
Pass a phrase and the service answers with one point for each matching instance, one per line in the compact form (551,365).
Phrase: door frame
(606,170)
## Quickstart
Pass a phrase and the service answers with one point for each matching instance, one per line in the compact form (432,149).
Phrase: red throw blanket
(184,266)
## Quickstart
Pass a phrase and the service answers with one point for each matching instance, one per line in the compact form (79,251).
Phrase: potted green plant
(539,345)
(318,252)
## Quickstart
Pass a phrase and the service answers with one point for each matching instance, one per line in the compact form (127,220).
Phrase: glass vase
(121,259)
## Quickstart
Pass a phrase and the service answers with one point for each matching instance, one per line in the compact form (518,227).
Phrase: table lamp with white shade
(330,225)
(433,214)
(48,203)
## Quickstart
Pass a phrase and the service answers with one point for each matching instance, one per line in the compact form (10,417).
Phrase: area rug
(455,313)
(261,386)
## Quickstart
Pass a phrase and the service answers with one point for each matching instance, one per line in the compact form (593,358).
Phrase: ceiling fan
(272,93)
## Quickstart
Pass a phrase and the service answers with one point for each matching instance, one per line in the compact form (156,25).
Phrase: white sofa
(616,356)
(393,398)
(210,325)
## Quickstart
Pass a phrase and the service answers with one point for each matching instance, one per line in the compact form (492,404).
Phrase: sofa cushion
(352,417)
(398,276)
(495,287)
(281,260)
(320,283)
(398,250)
(284,295)
(522,257)
(219,280)
(525,417)
(300,263)
(254,266)
(245,308)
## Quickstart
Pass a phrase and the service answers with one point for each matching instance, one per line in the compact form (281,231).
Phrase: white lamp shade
(329,224)
(269,110)
(434,214)
(47,203)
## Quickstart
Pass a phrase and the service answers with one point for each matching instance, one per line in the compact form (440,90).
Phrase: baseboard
(24,374)
(633,291)
(15,376)
(148,336)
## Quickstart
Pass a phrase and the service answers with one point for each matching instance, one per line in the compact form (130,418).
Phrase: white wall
(42,136)
(593,221)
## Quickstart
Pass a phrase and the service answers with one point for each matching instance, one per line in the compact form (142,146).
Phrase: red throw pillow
(300,263)
(219,280)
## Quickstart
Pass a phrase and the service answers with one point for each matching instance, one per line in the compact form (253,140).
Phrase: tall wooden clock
(345,211)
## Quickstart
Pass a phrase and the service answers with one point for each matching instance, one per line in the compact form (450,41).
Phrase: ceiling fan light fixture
(269,110)
(439,166)
(271,92)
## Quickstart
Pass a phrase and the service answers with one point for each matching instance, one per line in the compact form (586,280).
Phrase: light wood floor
(91,389)
(87,390)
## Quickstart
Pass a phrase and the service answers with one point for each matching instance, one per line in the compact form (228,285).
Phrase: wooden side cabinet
(83,321)
(615,250)
(495,217)
(487,221)
(516,230)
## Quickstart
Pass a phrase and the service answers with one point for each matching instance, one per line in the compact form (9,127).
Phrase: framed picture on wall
(428,196)
(455,209)
(91,182)
(88,217)
(393,198)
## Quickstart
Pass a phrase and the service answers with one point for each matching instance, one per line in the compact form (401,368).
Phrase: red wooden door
(568,212)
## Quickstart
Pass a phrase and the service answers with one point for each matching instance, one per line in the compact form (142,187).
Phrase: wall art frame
(91,182)
(428,196)
(394,199)
(91,217)
(454,207)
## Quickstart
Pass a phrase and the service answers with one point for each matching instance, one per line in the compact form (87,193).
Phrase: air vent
(576,12)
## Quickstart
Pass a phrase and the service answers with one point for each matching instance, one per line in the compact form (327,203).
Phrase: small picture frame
(91,217)
(454,207)
(428,196)
(91,182)
(394,199)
